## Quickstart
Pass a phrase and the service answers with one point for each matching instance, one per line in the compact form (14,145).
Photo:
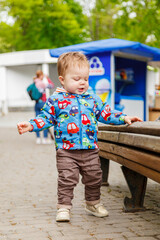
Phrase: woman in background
(41,85)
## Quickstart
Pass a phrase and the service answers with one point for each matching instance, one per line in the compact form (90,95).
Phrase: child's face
(75,79)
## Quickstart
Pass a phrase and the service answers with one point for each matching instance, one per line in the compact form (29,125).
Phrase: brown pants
(69,164)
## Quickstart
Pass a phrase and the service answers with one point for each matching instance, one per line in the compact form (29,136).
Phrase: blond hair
(70,59)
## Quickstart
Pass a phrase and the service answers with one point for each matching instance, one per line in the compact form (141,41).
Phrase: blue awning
(111,45)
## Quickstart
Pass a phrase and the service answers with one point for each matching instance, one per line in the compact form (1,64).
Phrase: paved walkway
(28,196)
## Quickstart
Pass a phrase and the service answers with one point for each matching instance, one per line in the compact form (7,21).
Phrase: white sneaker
(44,140)
(63,215)
(38,141)
(97,210)
(49,141)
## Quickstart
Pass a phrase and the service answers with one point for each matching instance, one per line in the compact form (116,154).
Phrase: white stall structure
(17,70)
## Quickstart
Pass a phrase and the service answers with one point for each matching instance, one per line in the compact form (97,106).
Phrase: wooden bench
(137,149)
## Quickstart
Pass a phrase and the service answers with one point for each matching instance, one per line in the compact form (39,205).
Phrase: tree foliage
(102,20)
(39,24)
(136,20)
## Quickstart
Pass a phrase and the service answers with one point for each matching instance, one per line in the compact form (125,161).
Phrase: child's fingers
(127,120)
(20,130)
(130,120)
(137,119)
(23,124)
(140,120)
(21,127)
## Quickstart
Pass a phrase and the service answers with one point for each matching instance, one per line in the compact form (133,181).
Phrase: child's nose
(82,81)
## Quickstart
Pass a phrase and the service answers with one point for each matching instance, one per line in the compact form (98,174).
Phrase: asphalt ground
(28,196)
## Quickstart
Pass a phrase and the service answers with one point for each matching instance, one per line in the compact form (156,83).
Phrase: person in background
(42,85)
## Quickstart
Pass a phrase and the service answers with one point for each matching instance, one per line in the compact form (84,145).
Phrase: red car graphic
(52,110)
(72,128)
(105,114)
(67,144)
(39,122)
(94,107)
(96,145)
(63,104)
(85,120)
(107,108)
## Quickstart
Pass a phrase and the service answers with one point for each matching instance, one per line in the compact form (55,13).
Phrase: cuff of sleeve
(122,118)
(32,128)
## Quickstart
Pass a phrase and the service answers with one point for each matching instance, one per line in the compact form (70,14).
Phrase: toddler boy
(75,113)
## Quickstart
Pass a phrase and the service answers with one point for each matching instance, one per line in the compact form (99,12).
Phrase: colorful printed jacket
(75,119)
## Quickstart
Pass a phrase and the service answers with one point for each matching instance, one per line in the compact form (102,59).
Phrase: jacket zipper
(80,128)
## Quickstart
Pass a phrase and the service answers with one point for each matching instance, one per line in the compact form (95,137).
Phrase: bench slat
(144,158)
(151,143)
(149,128)
(150,173)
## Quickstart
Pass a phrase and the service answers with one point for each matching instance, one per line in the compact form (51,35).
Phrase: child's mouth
(80,89)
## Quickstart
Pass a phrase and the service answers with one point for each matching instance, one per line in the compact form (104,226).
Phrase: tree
(136,20)
(42,24)
(139,21)
(102,19)
(5,45)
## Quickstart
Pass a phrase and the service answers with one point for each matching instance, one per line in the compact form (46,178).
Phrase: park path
(28,186)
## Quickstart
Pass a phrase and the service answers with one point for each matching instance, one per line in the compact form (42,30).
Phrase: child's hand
(24,127)
(129,120)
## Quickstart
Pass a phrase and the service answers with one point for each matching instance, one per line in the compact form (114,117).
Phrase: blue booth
(118,70)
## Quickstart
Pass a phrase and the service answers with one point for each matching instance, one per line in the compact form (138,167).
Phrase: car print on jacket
(85,120)
(72,128)
(93,117)
(63,117)
(73,111)
(52,120)
(86,143)
(50,102)
(106,113)
(107,108)
(75,119)
(95,144)
(57,134)
(39,122)
(90,133)
(52,110)
(84,102)
(69,96)
(63,104)
(67,144)
(117,115)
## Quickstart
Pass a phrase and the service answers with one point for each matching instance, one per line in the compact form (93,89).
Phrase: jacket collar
(62,90)
(59,90)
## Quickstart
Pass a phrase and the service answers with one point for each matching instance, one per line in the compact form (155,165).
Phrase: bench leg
(137,185)
(105,171)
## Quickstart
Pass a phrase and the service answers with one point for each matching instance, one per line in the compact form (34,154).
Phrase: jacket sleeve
(47,117)
(105,115)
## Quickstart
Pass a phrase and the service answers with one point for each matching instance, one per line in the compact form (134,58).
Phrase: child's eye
(76,78)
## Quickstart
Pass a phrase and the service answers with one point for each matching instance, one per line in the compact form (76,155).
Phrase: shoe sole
(62,220)
(96,214)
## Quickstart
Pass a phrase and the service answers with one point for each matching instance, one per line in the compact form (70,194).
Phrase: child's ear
(61,79)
